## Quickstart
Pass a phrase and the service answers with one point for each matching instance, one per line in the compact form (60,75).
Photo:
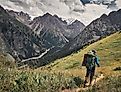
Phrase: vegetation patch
(109,84)
(13,80)
(36,82)
(72,65)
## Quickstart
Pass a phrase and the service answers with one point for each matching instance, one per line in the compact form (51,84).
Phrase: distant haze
(67,9)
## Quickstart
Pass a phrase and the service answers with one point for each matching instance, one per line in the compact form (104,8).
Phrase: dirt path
(84,89)
(93,83)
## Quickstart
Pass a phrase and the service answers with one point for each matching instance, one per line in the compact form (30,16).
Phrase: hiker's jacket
(92,61)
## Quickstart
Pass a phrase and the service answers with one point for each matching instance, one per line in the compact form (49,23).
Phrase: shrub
(110,84)
(23,81)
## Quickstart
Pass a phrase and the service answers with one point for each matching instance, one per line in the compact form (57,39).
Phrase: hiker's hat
(94,51)
(90,53)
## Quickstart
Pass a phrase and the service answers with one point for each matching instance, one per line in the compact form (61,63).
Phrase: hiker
(90,60)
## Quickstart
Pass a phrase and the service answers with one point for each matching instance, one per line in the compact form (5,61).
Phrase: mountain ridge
(20,16)
(50,31)
(25,40)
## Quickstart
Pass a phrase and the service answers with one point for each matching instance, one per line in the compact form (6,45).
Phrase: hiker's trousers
(90,71)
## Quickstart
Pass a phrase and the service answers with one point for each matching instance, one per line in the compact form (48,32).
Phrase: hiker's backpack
(84,60)
(89,60)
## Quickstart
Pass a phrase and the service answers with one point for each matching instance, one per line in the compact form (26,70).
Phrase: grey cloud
(20,3)
(63,8)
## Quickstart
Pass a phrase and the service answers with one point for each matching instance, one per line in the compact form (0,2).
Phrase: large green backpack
(90,61)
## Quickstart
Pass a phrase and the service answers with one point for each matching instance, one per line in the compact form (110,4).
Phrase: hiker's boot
(86,78)
(85,83)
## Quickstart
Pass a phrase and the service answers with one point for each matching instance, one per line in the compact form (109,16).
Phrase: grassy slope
(41,79)
(108,50)
(26,80)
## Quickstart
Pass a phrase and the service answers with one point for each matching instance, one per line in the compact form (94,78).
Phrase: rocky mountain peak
(20,16)
(47,15)
(21,13)
(104,16)
(60,19)
(2,10)
(46,18)
(77,23)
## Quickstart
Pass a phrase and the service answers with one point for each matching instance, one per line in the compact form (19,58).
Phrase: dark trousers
(90,72)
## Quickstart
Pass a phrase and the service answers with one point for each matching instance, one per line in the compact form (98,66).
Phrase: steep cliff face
(17,37)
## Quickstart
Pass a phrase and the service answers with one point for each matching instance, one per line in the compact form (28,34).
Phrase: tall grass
(13,80)
(35,82)
(109,84)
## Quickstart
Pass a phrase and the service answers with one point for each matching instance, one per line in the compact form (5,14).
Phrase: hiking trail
(98,78)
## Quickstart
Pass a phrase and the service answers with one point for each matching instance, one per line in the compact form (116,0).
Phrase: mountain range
(49,37)
(24,39)
(96,30)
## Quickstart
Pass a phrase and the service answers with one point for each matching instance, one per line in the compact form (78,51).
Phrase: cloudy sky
(67,9)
